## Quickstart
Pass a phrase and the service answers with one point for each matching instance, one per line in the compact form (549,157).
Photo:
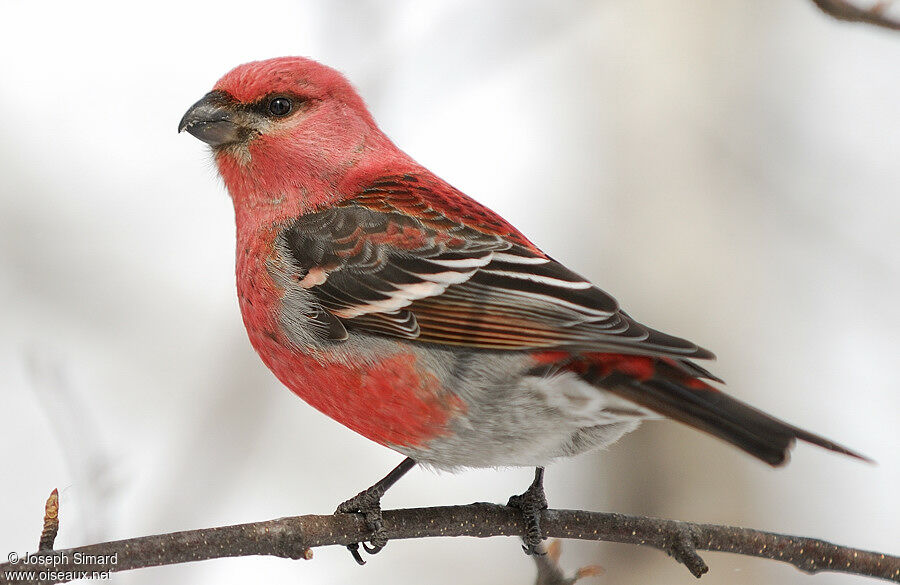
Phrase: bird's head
(283,125)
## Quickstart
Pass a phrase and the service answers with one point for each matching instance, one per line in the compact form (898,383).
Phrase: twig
(294,537)
(51,521)
(849,12)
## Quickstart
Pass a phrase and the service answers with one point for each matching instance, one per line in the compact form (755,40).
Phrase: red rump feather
(667,387)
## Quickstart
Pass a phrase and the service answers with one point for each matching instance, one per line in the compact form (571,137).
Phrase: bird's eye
(280,106)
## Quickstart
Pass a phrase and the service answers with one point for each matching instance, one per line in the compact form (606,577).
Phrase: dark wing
(428,278)
(367,267)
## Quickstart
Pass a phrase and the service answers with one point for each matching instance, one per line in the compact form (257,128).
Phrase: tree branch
(849,12)
(294,537)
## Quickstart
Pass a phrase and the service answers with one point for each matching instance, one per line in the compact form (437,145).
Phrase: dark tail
(672,389)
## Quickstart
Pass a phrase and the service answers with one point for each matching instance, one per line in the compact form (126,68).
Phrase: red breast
(392,402)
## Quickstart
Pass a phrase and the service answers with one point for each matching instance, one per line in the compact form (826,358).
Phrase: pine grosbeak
(417,317)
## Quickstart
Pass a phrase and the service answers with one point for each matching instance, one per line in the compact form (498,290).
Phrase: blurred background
(729,169)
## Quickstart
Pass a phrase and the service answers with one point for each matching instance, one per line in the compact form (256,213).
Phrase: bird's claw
(374,549)
(367,503)
(531,504)
(354,550)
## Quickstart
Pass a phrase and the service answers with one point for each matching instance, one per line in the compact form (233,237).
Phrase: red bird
(417,317)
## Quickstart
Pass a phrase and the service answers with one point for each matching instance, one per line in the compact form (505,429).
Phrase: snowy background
(729,169)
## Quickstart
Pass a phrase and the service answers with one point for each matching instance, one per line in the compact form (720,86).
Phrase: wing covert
(379,268)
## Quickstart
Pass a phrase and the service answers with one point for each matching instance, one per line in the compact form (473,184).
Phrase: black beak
(213,120)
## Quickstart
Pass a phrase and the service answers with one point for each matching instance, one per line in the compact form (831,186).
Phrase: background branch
(849,12)
(294,538)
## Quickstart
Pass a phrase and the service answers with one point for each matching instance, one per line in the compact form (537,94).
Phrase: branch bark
(849,12)
(294,538)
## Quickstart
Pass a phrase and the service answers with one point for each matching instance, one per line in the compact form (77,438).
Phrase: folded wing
(391,263)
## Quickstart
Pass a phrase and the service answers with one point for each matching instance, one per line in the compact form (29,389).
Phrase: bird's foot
(531,504)
(367,503)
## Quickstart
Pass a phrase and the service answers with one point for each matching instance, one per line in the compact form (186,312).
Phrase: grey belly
(516,419)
